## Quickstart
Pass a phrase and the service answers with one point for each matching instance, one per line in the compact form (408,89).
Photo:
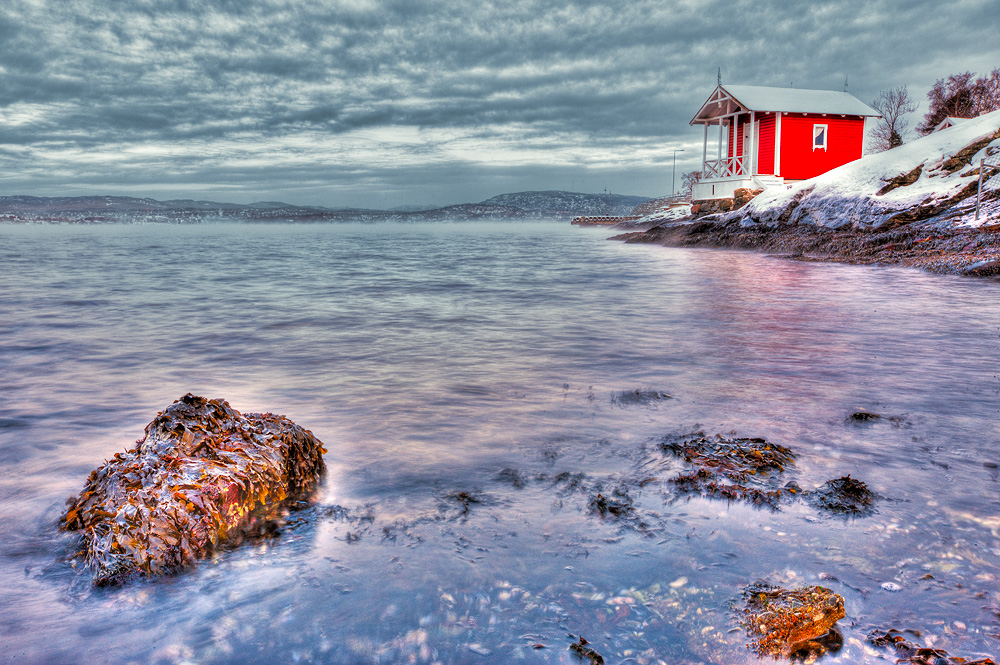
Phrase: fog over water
(524,366)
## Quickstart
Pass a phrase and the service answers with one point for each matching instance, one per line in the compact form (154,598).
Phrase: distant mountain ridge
(571,203)
(124,209)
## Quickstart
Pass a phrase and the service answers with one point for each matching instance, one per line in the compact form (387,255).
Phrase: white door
(751,146)
(756,145)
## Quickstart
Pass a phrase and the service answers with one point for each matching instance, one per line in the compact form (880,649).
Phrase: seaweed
(464,500)
(737,469)
(846,496)
(605,506)
(738,458)
(203,475)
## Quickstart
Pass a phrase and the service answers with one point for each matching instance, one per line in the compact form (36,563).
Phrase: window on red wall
(820,137)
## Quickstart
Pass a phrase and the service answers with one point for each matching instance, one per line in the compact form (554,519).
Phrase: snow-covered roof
(728,99)
(949,122)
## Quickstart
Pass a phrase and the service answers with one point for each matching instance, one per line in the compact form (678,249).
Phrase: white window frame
(826,137)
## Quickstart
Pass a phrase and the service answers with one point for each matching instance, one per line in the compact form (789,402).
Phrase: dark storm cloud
(148,92)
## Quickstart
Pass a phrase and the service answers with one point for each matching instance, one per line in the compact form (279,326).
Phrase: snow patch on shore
(848,195)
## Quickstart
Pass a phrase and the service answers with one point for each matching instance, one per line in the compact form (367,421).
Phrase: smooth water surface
(474,384)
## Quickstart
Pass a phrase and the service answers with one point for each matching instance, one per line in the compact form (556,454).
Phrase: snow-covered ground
(848,195)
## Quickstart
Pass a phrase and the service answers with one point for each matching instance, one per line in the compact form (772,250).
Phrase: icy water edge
(496,362)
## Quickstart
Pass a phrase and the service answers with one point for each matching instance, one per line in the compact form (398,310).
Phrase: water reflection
(436,360)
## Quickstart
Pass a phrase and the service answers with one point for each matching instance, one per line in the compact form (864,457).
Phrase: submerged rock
(203,475)
(781,622)
(740,469)
(908,652)
(863,417)
(846,495)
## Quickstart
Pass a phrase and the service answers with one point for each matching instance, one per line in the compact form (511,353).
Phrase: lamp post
(673,172)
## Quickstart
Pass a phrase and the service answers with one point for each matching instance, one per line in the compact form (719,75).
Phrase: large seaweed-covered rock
(203,475)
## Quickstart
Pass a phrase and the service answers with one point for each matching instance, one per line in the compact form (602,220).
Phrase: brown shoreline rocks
(204,475)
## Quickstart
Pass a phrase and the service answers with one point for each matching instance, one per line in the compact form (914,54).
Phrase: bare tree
(893,104)
(950,97)
(961,96)
(986,93)
(688,180)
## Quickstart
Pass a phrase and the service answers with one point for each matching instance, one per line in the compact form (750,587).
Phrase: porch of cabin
(739,151)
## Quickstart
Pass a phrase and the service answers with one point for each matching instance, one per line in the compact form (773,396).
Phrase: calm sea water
(495,360)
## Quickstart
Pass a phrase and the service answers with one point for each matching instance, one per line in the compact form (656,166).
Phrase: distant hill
(124,209)
(559,203)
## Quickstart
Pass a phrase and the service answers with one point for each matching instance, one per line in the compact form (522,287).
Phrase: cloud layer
(385,102)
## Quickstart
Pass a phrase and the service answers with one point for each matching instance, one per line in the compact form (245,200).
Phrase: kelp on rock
(203,475)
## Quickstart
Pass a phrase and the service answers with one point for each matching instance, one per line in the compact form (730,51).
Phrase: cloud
(267,94)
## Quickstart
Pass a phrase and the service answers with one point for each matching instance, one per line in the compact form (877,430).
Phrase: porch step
(769,181)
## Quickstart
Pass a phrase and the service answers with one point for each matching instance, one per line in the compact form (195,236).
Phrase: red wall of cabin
(845,140)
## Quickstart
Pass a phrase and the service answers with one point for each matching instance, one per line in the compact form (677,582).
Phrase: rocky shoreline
(959,251)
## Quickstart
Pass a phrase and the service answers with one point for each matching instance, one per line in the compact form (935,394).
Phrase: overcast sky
(378,103)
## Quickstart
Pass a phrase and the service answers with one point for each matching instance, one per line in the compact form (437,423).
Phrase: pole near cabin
(979,188)
(673,173)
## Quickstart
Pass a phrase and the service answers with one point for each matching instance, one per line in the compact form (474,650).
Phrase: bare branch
(892,104)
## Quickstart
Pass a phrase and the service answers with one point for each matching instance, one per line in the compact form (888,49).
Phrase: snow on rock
(921,180)
(663,209)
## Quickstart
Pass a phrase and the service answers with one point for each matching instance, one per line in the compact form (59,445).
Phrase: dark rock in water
(863,417)
(781,622)
(203,475)
(585,653)
(982,269)
(908,652)
(638,397)
(848,496)
(810,650)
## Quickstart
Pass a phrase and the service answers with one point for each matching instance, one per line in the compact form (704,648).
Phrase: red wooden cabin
(768,136)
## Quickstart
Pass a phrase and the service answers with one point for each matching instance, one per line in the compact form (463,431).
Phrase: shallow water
(435,359)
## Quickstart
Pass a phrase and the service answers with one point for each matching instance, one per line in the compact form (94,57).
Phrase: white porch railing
(727,167)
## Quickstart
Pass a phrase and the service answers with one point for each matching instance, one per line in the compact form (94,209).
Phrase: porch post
(753,148)
(720,138)
(704,152)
